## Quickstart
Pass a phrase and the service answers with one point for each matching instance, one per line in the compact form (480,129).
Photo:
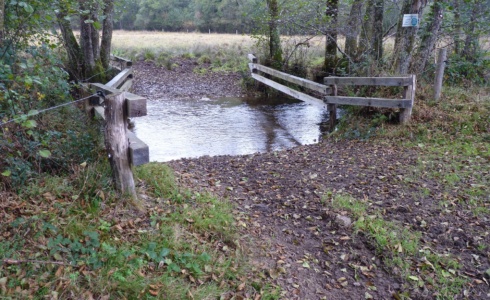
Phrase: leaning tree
(89,57)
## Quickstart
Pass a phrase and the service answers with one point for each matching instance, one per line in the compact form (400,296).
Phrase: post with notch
(332,109)
(408,93)
(117,144)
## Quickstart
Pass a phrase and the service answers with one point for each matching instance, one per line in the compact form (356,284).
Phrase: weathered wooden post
(117,144)
(332,109)
(408,93)
(441,64)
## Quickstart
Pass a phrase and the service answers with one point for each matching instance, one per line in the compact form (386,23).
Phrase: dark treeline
(223,16)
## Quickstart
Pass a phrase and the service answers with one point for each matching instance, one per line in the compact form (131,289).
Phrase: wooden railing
(328,90)
(116,105)
(314,86)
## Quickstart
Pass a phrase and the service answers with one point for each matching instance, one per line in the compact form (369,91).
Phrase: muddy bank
(300,242)
(185,80)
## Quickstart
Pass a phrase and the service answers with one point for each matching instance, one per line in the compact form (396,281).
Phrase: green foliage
(460,70)
(31,79)
(183,244)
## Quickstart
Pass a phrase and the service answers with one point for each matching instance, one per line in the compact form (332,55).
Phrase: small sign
(410,20)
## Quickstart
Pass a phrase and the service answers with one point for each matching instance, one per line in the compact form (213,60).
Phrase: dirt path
(284,205)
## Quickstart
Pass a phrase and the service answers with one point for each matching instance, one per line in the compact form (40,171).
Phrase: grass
(450,139)
(183,245)
(225,52)
(399,248)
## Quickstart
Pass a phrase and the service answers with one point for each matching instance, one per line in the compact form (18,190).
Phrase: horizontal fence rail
(328,90)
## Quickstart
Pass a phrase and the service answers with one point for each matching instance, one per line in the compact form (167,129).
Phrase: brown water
(227,126)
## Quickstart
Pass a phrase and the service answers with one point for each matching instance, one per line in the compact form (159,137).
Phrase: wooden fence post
(441,64)
(408,93)
(117,144)
(332,109)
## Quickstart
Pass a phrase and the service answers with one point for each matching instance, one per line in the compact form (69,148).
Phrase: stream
(175,129)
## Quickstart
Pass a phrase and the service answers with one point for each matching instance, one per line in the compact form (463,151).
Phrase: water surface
(177,129)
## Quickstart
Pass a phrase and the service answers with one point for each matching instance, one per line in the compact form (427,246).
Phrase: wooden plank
(139,152)
(135,105)
(293,93)
(126,62)
(382,81)
(120,78)
(252,58)
(375,102)
(99,112)
(102,87)
(126,87)
(332,110)
(293,79)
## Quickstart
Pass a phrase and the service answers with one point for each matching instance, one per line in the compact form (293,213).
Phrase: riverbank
(375,211)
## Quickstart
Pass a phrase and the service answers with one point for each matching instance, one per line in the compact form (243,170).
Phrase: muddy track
(303,244)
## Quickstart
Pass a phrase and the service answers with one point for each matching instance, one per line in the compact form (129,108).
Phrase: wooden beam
(139,152)
(382,81)
(135,105)
(409,92)
(126,62)
(126,87)
(332,110)
(375,102)
(252,58)
(120,78)
(293,93)
(293,79)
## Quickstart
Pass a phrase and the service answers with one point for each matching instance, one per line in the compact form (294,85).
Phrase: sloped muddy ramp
(295,236)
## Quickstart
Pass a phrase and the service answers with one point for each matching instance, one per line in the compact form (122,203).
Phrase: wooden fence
(116,105)
(328,90)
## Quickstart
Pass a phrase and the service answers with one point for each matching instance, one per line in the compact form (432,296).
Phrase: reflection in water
(226,126)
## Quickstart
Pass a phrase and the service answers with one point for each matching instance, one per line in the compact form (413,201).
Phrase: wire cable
(46,109)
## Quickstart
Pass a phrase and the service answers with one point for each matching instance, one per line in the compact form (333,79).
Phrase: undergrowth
(68,238)
(402,253)
(450,138)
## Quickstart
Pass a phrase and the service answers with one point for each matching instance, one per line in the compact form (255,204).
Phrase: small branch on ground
(18,262)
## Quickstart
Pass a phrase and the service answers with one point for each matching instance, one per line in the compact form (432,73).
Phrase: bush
(460,70)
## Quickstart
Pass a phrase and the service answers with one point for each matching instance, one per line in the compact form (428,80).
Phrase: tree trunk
(471,42)
(331,36)
(352,33)
(105,47)
(429,38)
(366,38)
(89,38)
(457,28)
(275,49)
(405,37)
(378,30)
(73,51)
(2,20)
(94,35)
